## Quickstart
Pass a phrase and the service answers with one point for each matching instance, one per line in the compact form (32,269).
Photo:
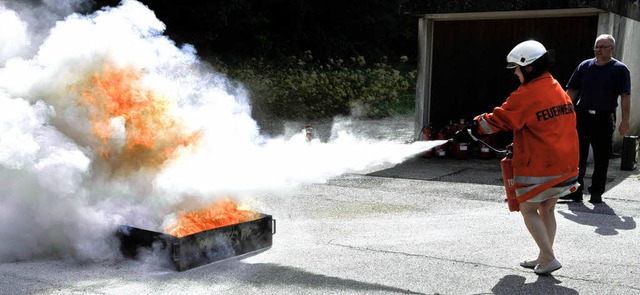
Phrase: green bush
(301,87)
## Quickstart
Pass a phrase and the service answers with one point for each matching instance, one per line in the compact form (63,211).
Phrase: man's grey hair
(607,37)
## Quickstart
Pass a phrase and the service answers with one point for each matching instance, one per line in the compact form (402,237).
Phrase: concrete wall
(627,34)
(631,56)
(423,83)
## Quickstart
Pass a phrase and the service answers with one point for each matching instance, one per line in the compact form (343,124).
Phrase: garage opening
(469,74)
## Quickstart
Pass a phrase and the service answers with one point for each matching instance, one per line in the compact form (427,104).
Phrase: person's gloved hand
(464,134)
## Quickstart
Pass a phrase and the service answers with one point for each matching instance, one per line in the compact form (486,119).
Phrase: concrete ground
(425,226)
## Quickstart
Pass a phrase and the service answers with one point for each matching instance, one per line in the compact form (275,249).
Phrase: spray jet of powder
(105,121)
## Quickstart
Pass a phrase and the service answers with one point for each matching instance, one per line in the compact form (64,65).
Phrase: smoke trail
(78,157)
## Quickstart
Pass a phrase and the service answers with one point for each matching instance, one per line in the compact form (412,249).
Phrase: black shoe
(595,199)
(593,192)
(575,196)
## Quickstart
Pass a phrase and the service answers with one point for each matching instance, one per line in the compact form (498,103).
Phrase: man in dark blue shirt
(594,88)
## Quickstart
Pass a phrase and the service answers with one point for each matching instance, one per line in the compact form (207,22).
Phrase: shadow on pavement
(607,226)
(478,171)
(514,284)
(274,274)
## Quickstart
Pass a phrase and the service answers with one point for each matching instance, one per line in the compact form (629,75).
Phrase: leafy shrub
(301,87)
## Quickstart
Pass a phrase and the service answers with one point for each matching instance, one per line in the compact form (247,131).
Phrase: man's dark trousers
(595,130)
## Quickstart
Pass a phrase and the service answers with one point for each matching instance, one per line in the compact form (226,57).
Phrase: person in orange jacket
(545,145)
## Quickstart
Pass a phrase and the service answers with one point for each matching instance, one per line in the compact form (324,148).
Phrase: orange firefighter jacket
(545,140)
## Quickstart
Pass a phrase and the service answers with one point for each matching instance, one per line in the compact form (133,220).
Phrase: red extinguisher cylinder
(427,134)
(509,184)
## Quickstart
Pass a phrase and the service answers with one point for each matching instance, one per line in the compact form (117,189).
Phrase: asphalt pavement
(424,226)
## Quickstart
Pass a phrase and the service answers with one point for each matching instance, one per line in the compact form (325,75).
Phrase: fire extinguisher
(507,173)
(308,131)
(427,134)
(460,149)
(509,181)
(441,150)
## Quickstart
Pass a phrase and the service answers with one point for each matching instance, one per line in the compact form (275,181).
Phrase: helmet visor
(511,65)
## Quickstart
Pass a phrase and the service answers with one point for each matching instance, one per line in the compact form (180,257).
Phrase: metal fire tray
(250,237)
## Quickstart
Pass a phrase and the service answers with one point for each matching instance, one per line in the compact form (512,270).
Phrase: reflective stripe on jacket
(545,140)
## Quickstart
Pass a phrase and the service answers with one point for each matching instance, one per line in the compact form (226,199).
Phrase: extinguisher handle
(509,151)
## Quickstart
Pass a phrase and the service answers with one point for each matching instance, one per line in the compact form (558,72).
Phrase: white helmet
(525,53)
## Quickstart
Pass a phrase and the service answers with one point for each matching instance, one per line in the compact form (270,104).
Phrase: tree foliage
(361,60)
(271,29)
(302,87)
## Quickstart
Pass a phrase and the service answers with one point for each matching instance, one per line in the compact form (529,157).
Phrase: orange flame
(152,134)
(225,212)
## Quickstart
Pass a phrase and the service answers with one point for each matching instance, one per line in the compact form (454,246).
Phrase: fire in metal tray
(195,240)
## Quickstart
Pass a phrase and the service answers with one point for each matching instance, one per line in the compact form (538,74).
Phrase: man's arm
(573,93)
(625,105)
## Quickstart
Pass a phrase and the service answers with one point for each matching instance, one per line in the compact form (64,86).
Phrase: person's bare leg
(538,230)
(547,213)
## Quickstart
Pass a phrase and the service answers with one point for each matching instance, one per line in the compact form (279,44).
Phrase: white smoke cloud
(13,36)
(59,198)
(41,174)
(36,18)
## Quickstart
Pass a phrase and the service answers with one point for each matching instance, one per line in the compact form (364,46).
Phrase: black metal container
(629,153)
(200,248)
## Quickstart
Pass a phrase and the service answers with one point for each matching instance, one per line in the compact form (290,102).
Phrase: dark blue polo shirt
(600,86)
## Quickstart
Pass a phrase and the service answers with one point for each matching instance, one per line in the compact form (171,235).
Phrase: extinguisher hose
(492,148)
(505,151)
